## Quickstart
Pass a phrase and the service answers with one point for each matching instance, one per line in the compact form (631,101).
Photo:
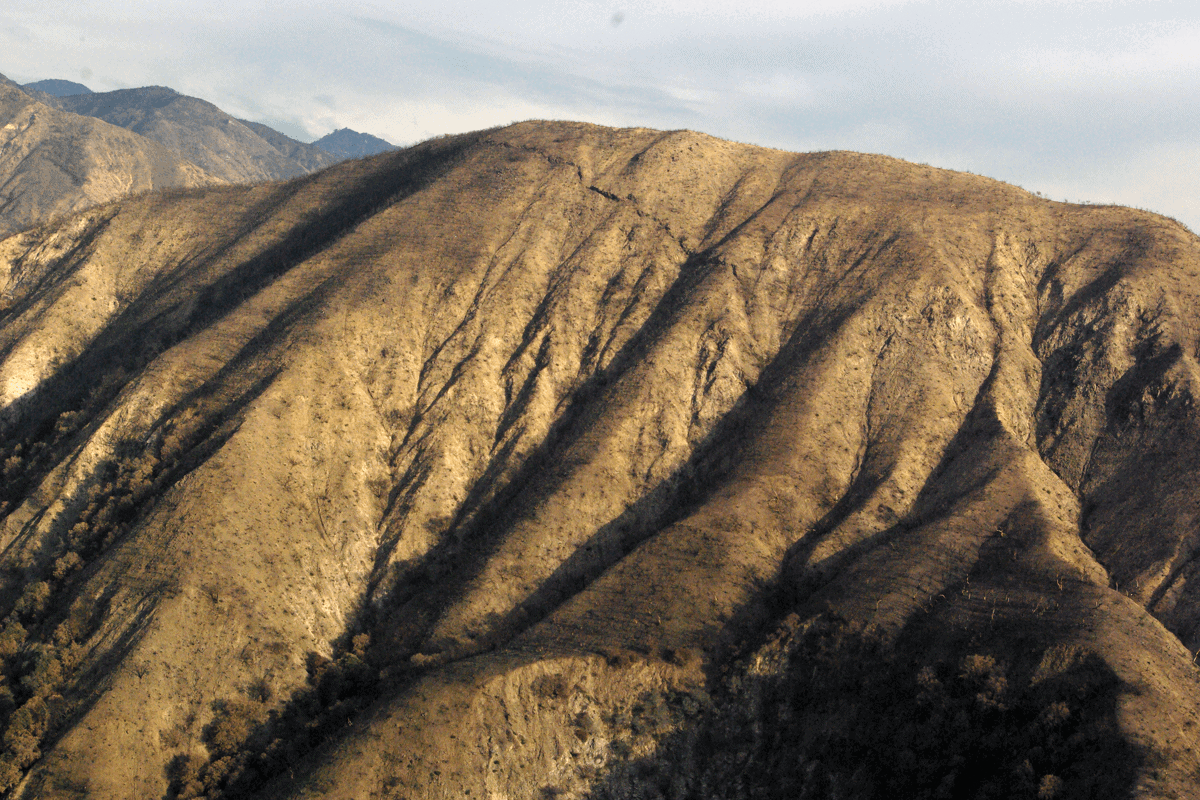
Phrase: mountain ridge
(52,162)
(200,136)
(202,133)
(565,460)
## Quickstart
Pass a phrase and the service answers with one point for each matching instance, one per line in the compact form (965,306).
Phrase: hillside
(565,461)
(52,162)
(232,150)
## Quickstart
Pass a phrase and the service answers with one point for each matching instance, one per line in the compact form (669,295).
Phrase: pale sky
(1094,100)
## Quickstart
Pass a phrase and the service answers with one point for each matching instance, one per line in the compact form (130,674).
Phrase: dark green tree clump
(249,743)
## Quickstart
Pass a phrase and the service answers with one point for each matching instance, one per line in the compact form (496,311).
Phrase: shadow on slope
(823,710)
(42,428)
(369,663)
(52,616)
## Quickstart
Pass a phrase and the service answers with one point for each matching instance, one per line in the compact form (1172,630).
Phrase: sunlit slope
(554,460)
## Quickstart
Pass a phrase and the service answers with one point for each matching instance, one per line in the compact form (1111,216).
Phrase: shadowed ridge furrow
(989,472)
(1114,320)
(598,460)
(135,334)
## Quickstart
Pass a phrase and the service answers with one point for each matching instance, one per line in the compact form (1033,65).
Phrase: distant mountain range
(202,133)
(64,147)
(54,162)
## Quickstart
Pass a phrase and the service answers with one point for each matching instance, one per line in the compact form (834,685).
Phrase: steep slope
(53,162)
(203,134)
(566,461)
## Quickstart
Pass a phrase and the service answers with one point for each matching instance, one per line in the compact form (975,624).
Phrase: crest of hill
(227,148)
(54,162)
(346,143)
(559,460)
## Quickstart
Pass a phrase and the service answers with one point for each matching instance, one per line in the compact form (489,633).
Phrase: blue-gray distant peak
(59,88)
(346,143)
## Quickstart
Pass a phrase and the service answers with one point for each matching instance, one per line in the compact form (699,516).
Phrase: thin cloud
(1070,96)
